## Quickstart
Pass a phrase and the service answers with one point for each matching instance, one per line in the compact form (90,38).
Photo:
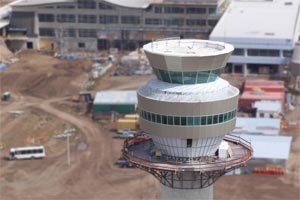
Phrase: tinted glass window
(153,117)
(170,120)
(203,120)
(190,121)
(177,121)
(183,121)
(176,77)
(196,121)
(215,119)
(189,77)
(220,118)
(158,119)
(164,119)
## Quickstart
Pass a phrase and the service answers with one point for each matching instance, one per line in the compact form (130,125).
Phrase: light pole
(67,133)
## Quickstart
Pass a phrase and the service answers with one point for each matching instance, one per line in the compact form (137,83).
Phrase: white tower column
(168,193)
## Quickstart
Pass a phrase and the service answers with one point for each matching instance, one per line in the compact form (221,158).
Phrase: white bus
(27,152)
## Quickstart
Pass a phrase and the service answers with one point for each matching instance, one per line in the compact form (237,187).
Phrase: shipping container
(126,123)
(132,116)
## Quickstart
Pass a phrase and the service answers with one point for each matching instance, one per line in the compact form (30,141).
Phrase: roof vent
(288,3)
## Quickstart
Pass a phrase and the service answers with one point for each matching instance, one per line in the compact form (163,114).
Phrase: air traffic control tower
(188,113)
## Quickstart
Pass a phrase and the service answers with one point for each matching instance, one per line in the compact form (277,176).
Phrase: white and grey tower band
(187,111)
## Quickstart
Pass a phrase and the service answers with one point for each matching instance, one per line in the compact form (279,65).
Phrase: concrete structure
(267,150)
(261,90)
(257,126)
(123,102)
(295,63)
(261,45)
(268,109)
(5,13)
(248,98)
(101,24)
(187,111)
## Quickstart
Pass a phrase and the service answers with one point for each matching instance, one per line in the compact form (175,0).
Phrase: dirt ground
(44,76)
(39,90)
(5,2)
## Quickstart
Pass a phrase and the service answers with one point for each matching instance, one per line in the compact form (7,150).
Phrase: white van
(27,152)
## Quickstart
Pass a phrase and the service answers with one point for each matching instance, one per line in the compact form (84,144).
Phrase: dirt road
(91,175)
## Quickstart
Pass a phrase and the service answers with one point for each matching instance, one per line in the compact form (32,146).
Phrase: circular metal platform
(188,173)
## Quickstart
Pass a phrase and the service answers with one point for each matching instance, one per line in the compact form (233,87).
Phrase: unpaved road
(91,175)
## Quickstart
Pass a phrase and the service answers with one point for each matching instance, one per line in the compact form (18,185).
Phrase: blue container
(3,66)
(86,98)
(6,96)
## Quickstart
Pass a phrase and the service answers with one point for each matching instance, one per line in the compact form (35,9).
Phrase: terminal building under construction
(102,24)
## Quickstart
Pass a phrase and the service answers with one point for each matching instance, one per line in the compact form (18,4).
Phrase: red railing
(199,166)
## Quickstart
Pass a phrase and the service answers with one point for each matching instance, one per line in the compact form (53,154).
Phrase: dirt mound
(44,76)
(4,52)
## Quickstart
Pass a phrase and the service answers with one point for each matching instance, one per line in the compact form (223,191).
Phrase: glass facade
(104,6)
(108,19)
(196,22)
(46,18)
(87,19)
(196,10)
(69,33)
(195,77)
(238,52)
(288,53)
(86,4)
(188,120)
(47,32)
(63,18)
(87,33)
(153,21)
(131,19)
(65,7)
(173,10)
(263,52)
(174,22)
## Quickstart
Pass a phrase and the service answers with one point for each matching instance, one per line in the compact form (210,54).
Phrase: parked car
(126,131)
(127,135)
(121,162)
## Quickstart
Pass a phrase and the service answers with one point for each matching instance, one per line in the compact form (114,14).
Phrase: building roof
(269,147)
(187,47)
(263,95)
(254,126)
(116,97)
(133,3)
(265,85)
(206,92)
(189,55)
(39,2)
(272,24)
(271,106)
(3,23)
(124,3)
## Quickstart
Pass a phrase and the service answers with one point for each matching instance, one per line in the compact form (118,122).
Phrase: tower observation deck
(188,111)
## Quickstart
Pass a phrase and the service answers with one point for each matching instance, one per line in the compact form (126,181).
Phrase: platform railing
(176,165)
